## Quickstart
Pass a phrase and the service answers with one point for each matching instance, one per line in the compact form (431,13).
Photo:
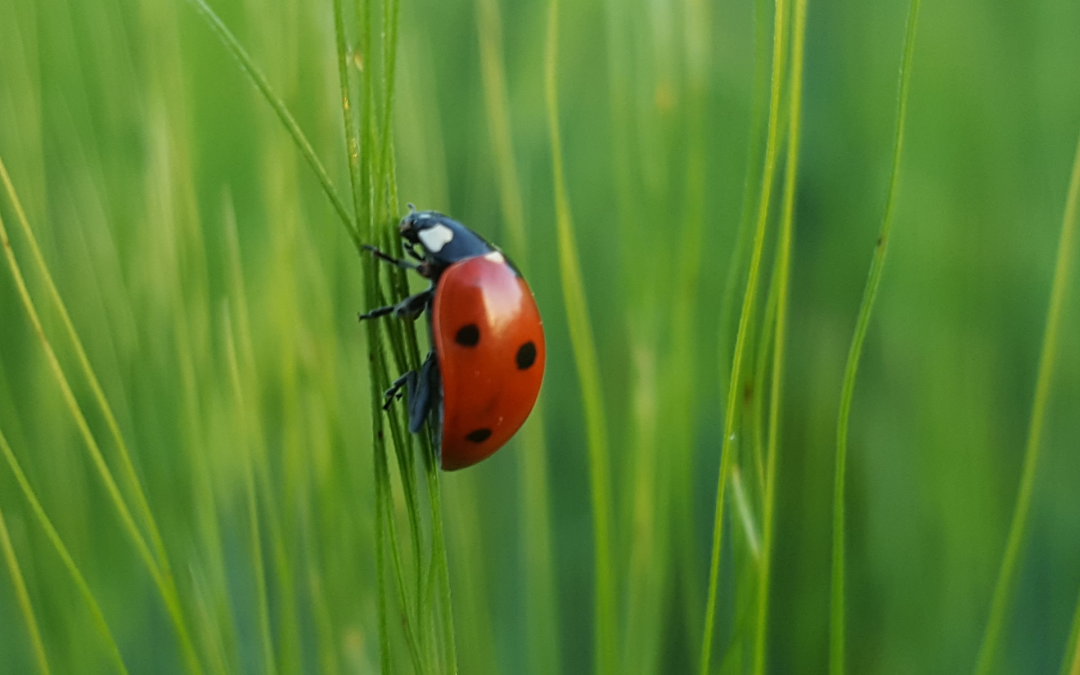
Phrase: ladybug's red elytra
(482,377)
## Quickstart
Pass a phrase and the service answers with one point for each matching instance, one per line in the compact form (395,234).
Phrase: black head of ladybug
(444,241)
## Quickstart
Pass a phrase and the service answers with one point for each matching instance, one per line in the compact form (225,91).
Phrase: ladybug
(481,379)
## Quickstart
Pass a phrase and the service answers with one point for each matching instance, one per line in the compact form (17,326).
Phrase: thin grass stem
(165,584)
(1047,364)
(23,597)
(65,556)
(588,368)
(299,139)
(745,319)
(873,282)
(783,267)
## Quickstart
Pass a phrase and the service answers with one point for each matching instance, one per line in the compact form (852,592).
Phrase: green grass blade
(588,368)
(745,319)
(783,266)
(877,265)
(23,597)
(740,250)
(265,635)
(65,555)
(142,503)
(1047,363)
(1071,663)
(282,112)
(165,584)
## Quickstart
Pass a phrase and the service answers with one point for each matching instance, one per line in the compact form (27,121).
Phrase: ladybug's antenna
(412,209)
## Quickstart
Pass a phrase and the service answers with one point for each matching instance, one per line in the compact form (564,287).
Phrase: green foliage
(198,473)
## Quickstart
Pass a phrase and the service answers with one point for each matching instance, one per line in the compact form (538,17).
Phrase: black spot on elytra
(468,335)
(479,435)
(526,355)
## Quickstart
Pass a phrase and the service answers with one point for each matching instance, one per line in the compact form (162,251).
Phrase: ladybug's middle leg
(409,308)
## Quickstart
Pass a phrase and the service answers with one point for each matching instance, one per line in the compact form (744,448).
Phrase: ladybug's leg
(409,308)
(423,393)
(386,257)
(408,380)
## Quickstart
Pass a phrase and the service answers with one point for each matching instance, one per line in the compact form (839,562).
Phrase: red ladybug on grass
(482,377)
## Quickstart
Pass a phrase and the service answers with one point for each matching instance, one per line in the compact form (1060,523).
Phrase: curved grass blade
(23,597)
(877,265)
(745,319)
(588,368)
(164,582)
(1048,355)
(287,120)
(65,556)
(84,361)
(783,265)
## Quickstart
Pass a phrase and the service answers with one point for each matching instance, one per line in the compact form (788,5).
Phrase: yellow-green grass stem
(164,583)
(584,348)
(1066,252)
(783,266)
(287,120)
(361,183)
(142,503)
(65,556)
(746,317)
(862,323)
(22,595)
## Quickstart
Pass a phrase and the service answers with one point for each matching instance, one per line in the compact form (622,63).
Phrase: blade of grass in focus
(783,266)
(745,319)
(877,265)
(23,596)
(1066,251)
(584,348)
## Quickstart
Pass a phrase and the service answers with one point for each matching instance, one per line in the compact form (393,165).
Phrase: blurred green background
(216,297)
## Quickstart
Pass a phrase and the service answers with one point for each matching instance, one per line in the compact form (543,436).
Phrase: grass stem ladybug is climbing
(481,379)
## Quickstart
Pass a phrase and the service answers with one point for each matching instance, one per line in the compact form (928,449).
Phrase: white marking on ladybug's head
(495,257)
(435,237)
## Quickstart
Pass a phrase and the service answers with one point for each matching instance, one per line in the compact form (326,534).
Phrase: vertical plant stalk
(745,319)
(23,597)
(362,196)
(877,265)
(783,265)
(588,368)
(65,555)
(1047,360)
